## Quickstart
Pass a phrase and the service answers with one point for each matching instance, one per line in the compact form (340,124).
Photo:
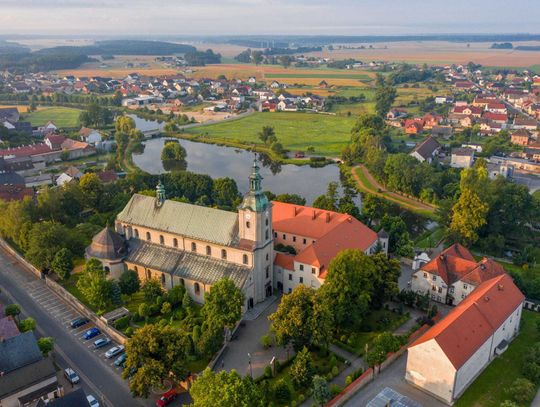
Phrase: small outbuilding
(110,249)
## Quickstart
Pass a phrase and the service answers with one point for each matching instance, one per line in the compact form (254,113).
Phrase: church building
(196,246)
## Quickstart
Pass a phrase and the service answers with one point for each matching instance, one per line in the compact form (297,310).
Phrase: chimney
(314,215)
(500,287)
(295,211)
(327,217)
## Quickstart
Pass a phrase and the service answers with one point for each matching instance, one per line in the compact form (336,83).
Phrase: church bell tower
(255,225)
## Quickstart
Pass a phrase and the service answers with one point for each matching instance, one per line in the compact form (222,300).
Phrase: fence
(66,296)
(368,376)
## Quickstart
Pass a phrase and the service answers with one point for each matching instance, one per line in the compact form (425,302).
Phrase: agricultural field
(327,134)
(20,108)
(61,116)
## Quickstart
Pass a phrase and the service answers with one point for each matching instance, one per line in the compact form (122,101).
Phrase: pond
(219,161)
(146,125)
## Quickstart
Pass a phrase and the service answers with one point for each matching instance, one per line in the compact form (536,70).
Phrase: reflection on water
(218,161)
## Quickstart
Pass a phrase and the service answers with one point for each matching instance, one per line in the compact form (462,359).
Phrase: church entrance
(250,303)
(268,291)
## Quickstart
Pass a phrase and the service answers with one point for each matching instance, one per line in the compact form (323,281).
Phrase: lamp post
(250,367)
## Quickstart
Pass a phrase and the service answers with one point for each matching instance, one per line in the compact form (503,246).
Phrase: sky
(241,17)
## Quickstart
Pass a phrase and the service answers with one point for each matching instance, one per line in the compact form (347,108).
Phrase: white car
(72,377)
(115,350)
(92,401)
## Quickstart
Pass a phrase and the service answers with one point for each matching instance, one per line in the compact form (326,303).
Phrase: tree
(348,287)
(267,135)
(468,216)
(329,201)
(94,285)
(285,60)
(62,263)
(12,310)
(302,369)
(152,289)
(399,241)
(155,353)
(521,391)
(175,295)
(173,151)
(385,283)
(225,193)
(223,304)
(166,308)
(92,189)
(375,357)
(144,310)
(385,94)
(45,345)
(186,301)
(28,324)
(292,321)
(290,198)
(129,282)
(124,124)
(256,57)
(225,389)
(115,293)
(321,391)
(44,241)
(388,342)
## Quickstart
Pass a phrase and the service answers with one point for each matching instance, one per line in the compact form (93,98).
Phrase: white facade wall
(13,399)
(429,369)
(472,368)
(461,161)
(460,290)
(424,282)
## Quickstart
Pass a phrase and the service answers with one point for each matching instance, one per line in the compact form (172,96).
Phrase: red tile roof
(501,117)
(107,176)
(25,151)
(285,261)
(457,264)
(332,232)
(461,333)
(15,192)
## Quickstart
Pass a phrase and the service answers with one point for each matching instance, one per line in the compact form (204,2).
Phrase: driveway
(247,341)
(393,377)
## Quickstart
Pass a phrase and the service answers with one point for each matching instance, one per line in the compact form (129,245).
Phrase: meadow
(327,134)
(61,116)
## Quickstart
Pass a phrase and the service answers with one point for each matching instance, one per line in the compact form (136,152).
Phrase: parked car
(166,398)
(91,333)
(92,401)
(100,343)
(120,360)
(115,350)
(72,377)
(77,322)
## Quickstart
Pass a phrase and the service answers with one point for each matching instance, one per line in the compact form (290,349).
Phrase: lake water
(219,161)
(147,125)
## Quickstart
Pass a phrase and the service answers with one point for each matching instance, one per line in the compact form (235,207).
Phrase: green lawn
(296,131)
(430,238)
(61,116)
(488,390)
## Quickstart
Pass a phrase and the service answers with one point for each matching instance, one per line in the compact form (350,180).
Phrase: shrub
(293,403)
(278,366)
(122,323)
(335,371)
(302,369)
(348,380)
(329,377)
(301,398)
(521,391)
(282,392)
(335,389)
(266,341)
(268,372)
(129,331)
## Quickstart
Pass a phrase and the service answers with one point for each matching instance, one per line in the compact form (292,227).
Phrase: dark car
(91,333)
(166,398)
(77,322)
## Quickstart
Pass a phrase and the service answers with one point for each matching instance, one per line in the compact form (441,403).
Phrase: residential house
(525,123)
(317,236)
(450,277)
(26,375)
(10,114)
(72,173)
(9,192)
(107,176)
(495,117)
(462,157)
(426,150)
(396,114)
(413,127)
(90,136)
(447,359)
(521,137)
(442,131)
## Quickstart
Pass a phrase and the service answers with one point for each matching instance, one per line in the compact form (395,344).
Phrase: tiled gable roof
(461,333)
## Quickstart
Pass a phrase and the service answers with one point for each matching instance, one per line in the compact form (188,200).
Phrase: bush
(348,380)
(301,398)
(302,369)
(268,372)
(521,391)
(122,323)
(329,377)
(129,331)
(335,371)
(266,341)
(335,389)
(282,392)
(293,403)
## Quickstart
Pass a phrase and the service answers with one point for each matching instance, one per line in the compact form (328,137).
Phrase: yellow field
(21,108)
(315,91)
(315,81)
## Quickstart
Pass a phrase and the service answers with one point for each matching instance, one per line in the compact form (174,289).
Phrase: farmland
(327,134)
(61,116)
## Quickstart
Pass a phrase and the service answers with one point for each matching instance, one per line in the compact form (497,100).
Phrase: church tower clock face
(248,216)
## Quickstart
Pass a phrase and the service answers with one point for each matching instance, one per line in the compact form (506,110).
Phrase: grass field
(488,390)
(296,131)
(324,75)
(61,116)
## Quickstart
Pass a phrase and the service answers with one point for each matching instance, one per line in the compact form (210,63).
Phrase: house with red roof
(449,357)
(317,236)
(451,276)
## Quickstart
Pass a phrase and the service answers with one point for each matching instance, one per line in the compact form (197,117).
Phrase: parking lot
(64,313)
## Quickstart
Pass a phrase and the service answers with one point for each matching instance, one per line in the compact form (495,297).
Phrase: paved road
(98,377)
